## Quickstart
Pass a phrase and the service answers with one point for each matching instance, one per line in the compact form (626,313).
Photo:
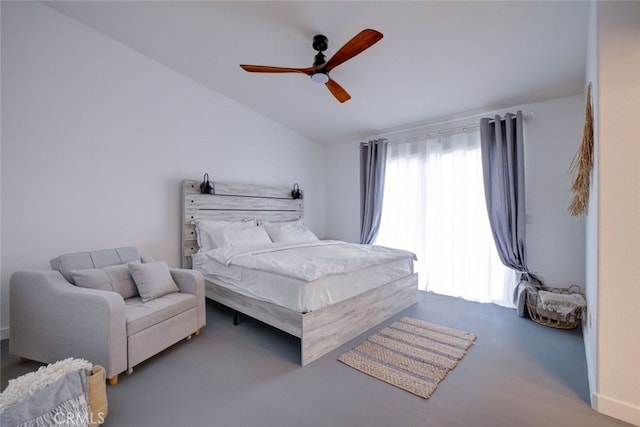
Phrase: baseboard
(616,409)
(4,333)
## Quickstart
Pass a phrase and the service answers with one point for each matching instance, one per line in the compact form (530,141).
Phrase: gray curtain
(502,147)
(373,160)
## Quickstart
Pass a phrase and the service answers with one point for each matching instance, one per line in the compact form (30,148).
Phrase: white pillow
(153,279)
(206,229)
(273,227)
(203,228)
(292,232)
(244,236)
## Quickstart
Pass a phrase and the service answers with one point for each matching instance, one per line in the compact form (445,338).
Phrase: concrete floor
(518,373)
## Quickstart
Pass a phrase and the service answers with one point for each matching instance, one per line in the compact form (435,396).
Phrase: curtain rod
(524,117)
(461,128)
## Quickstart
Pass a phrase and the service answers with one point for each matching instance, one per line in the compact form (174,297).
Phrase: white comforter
(308,261)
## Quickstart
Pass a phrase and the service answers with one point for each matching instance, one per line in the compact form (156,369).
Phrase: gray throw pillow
(153,279)
(116,278)
(92,279)
(121,280)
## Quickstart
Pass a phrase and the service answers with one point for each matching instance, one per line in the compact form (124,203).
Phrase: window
(434,206)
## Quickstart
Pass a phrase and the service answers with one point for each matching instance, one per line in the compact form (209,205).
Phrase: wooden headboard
(233,202)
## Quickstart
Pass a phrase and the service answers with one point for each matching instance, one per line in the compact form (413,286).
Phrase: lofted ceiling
(436,60)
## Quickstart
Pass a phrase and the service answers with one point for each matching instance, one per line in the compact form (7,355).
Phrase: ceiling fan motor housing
(320,43)
(319,59)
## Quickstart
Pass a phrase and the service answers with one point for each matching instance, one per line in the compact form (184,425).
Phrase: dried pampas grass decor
(582,164)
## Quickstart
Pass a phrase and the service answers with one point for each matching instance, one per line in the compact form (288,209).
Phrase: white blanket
(308,261)
(560,303)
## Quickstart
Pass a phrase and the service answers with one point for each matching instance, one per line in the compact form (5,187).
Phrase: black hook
(207,187)
(296,193)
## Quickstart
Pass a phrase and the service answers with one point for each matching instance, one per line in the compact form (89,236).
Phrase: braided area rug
(411,354)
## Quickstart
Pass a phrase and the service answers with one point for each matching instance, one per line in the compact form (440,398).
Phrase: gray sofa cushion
(141,315)
(116,278)
(92,279)
(91,260)
(121,280)
(153,279)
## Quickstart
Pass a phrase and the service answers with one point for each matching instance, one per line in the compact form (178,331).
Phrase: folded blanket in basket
(53,395)
(560,303)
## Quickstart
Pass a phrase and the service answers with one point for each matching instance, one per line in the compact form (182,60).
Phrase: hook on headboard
(296,193)
(207,187)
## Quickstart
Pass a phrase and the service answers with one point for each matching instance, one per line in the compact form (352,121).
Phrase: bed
(322,325)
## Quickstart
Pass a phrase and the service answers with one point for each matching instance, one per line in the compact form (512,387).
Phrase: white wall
(342,192)
(2,330)
(555,240)
(589,324)
(96,139)
(618,137)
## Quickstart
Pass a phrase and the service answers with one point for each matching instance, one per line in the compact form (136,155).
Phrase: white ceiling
(436,60)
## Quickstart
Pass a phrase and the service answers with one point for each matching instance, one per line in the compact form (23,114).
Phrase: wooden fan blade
(268,69)
(362,41)
(337,91)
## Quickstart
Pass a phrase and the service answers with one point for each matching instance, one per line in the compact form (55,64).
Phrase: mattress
(303,296)
(300,295)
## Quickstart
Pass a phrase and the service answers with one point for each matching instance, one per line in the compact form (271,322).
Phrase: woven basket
(97,391)
(550,318)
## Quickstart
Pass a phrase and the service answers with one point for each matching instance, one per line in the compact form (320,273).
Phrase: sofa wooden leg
(113,380)
(196,333)
(23,359)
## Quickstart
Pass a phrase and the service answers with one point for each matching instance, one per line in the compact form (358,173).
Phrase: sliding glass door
(434,205)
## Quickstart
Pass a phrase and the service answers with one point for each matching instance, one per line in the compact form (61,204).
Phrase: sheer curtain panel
(434,206)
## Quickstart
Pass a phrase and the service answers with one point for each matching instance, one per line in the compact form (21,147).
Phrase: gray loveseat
(89,307)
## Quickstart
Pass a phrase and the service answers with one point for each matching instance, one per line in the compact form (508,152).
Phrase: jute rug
(411,354)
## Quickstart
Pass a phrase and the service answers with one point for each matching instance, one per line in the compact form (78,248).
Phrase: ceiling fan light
(320,77)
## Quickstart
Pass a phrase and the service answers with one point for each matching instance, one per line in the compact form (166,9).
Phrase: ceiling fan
(319,71)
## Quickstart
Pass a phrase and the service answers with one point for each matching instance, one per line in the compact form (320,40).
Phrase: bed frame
(320,331)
